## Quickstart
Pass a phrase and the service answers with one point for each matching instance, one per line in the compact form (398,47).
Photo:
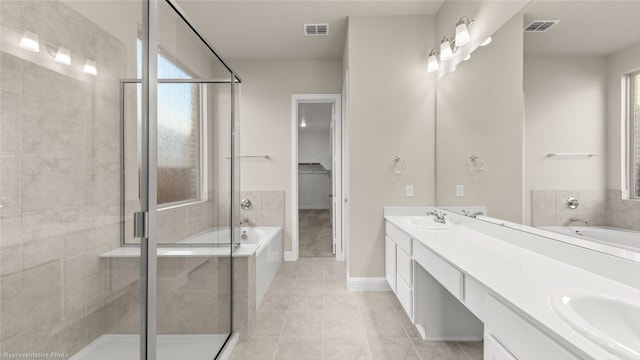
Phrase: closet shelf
(312,168)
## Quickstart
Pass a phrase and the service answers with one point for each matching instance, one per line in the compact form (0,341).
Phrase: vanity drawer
(405,296)
(451,278)
(400,238)
(404,266)
(519,336)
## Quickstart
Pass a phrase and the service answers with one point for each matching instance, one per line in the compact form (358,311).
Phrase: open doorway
(317,180)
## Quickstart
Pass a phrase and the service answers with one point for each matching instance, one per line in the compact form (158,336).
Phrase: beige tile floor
(308,313)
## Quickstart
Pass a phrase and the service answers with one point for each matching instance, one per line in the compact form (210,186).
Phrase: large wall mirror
(535,126)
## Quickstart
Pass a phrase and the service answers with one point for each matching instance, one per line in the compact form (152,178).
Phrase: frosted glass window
(634,113)
(179,145)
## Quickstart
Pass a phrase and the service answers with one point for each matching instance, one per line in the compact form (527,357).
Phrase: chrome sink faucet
(473,215)
(439,216)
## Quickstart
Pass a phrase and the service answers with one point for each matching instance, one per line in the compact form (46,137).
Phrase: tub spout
(574,219)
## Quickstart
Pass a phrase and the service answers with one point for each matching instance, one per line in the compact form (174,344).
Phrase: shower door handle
(140,224)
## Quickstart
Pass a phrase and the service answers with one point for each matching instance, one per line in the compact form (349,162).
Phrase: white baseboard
(367,284)
(289,256)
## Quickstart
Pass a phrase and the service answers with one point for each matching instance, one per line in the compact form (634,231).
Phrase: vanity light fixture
(446,52)
(30,41)
(63,56)
(432,61)
(462,33)
(303,124)
(90,67)
(486,42)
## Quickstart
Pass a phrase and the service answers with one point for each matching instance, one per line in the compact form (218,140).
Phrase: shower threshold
(169,347)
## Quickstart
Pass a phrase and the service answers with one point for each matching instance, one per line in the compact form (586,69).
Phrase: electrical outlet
(459,190)
(408,191)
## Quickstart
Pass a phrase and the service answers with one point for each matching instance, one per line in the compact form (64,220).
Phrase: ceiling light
(467,57)
(432,61)
(445,49)
(462,33)
(303,123)
(90,67)
(63,56)
(486,42)
(30,42)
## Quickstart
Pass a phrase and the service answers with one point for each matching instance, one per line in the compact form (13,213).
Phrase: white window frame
(202,186)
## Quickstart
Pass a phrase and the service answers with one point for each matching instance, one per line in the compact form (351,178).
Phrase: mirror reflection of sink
(612,323)
(426,223)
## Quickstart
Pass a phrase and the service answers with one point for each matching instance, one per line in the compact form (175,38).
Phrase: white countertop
(524,278)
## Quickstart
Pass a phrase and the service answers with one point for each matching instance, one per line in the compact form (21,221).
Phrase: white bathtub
(626,239)
(263,242)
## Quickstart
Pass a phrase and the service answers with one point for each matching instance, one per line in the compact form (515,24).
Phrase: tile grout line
(364,330)
(286,313)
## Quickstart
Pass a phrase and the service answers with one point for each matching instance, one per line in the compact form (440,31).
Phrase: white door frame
(334,99)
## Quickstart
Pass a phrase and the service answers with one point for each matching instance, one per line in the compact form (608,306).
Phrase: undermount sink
(612,323)
(426,223)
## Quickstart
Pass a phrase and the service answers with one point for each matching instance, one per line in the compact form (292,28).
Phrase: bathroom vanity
(457,282)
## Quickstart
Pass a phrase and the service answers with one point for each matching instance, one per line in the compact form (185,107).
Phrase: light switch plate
(459,190)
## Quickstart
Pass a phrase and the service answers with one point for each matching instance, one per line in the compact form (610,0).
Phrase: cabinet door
(390,262)
(493,350)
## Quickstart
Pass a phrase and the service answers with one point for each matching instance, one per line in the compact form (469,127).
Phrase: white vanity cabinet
(399,266)
(513,337)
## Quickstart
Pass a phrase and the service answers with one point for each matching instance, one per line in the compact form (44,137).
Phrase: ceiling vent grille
(316,29)
(540,25)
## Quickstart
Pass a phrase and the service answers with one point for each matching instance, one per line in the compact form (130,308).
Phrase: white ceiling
(273,30)
(316,115)
(592,28)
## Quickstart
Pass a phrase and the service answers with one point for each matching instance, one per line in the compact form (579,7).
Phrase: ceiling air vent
(540,25)
(316,29)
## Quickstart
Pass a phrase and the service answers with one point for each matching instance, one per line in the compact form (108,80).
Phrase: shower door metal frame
(148,174)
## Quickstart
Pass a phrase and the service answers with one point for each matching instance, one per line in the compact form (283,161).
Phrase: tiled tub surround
(500,263)
(268,208)
(59,184)
(597,207)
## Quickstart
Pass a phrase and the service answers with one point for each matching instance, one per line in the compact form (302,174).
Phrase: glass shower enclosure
(119,183)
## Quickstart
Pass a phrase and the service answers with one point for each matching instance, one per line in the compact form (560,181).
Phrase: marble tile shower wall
(59,185)
(597,208)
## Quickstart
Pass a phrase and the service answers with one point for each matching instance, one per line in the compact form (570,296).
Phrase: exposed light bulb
(63,56)
(303,123)
(486,42)
(90,67)
(462,35)
(445,50)
(432,63)
(30,41)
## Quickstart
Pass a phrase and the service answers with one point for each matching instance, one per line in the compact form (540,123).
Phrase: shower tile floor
(308,313)
(169,347)
(316,233)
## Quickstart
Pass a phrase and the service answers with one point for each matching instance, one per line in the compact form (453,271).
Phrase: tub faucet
(438,216)
(244,221)
(575,219)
